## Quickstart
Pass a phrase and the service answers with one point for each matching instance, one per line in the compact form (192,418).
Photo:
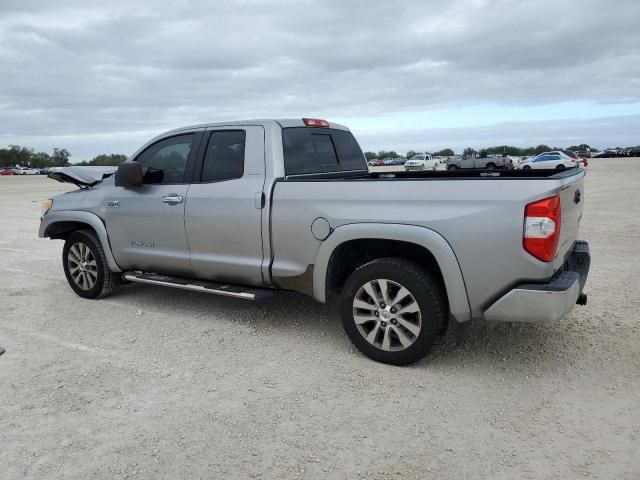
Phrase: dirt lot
(158,383)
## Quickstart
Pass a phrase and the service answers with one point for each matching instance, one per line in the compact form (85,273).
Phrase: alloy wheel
(82,265)
(387,315)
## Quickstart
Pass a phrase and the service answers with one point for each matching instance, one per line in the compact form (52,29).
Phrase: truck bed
(459,174)
(481,220)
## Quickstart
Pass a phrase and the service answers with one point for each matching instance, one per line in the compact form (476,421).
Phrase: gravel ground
(160,383)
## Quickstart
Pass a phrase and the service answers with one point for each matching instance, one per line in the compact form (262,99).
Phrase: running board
(215,288)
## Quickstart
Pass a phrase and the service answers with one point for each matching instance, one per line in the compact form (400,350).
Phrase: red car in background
(376,162)
(6,171)
(578,159)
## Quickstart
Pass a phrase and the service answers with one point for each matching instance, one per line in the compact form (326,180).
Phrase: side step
(216,288)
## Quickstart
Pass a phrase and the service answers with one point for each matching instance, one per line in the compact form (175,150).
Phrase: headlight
(46,206)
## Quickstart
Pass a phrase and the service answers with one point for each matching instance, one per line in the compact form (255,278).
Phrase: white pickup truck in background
(423,161)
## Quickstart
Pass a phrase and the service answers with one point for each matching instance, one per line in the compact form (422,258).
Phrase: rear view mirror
(129,174)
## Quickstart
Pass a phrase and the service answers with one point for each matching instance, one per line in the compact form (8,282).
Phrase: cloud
(75,70)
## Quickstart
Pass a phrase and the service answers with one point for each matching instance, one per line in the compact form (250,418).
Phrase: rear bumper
(547,302)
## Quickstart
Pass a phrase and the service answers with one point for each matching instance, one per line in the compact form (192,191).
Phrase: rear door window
(224,157)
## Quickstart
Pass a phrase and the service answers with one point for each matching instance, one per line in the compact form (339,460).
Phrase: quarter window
(166,161)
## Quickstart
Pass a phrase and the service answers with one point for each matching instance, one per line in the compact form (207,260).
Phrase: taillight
(542,228)
(315,122)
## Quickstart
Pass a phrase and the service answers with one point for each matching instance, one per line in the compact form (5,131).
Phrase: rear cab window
(320,150)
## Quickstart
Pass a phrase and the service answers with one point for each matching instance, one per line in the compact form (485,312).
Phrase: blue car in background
(394,161)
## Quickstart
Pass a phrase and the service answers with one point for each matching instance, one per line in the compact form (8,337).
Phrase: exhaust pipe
(582,299)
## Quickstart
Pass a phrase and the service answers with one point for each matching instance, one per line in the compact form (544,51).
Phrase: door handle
(173,198)
(259,200)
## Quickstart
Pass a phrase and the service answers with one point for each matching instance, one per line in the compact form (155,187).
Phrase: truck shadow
(491,345)
(522,347)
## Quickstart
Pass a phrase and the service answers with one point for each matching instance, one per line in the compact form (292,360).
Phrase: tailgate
(571,204)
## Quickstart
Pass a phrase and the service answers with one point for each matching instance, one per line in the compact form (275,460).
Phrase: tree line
(497,150)
(16,155)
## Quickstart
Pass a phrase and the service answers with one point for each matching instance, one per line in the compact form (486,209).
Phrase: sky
(104,77)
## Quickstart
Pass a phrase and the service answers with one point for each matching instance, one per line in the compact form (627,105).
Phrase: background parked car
(394,161)
(573,155)
(420,162)
(634,152)
(584,161)
(442,162)
(489,162)
(608,154)
(548,161)
(6,171)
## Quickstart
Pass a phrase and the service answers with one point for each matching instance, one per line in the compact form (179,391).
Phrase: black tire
(560,167)
(526,167)
(105,282)
(452,167)
(491,166)
(423,287)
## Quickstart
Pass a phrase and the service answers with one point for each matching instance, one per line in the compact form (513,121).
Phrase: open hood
(82,176)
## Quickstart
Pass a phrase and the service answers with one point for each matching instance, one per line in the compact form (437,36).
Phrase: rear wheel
(452,167)
(560,167)
(392,310)
(526,167)
(85,266)
(491,166)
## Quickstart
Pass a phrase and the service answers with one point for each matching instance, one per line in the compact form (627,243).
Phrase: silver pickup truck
(490,162)
(245,208)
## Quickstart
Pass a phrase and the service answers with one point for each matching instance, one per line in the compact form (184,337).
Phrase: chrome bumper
(546,302)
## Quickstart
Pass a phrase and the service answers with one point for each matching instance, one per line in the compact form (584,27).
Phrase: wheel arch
(59,225)
(413,242)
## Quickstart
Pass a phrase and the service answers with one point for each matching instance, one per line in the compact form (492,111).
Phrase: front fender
(87,218)
(432,241)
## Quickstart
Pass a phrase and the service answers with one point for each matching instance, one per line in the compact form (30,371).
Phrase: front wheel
(85,266)
(392,310)
(526,167)
(560,166)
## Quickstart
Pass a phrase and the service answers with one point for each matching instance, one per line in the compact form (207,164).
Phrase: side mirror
(129,174)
